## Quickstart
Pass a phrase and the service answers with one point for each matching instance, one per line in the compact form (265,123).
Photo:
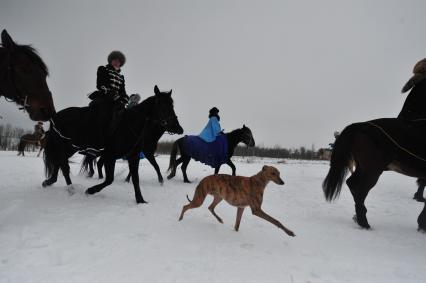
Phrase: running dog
(237,191)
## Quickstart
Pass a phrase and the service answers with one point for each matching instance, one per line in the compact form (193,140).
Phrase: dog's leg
(197,201)
(215,202)
(260,213)
(239,214)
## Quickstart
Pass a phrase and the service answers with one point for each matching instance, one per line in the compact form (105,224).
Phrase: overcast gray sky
(293,71)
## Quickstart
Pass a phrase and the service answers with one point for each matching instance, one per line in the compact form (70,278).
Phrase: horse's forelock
(33,56)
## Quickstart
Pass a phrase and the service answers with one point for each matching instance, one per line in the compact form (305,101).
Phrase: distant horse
(149,146)
(23,79)
(324,154)
(127,140)
(31,139)
(233,138)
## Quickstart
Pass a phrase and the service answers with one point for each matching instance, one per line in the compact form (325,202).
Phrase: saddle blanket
(213,153)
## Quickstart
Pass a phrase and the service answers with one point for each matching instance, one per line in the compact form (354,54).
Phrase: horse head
(164,112)
(247,136)
(23,79)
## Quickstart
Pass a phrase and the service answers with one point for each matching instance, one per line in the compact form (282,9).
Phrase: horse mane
(146,103)
(234,132)
(32,54)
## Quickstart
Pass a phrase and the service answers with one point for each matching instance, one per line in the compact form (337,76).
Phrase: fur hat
(117,55)
(419,72)
(214,111)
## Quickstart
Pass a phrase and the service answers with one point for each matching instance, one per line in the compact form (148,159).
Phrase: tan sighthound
(238,191)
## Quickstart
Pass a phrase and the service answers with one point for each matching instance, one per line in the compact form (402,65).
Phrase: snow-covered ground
(46,235)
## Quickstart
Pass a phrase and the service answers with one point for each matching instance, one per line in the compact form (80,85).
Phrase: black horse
(149,145)
(154,112)
(23,79)
(380,145)
(243,135)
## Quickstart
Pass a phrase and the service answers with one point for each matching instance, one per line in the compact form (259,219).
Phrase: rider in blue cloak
(212,129)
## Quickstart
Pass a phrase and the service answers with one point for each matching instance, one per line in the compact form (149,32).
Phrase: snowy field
(46,235)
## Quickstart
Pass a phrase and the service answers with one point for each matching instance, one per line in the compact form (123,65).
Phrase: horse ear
(244,126)
(264,168)
(156,90)
(6,40)
(170,93)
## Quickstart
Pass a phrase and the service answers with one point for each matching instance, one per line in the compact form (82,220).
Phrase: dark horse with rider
(395,144)
(107,129)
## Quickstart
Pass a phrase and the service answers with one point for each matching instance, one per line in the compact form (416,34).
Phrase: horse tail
(173,154)
(341,157)
(85,164)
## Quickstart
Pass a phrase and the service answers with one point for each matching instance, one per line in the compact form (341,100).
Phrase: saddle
(213,153)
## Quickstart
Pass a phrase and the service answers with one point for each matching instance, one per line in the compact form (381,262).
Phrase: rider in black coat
(110,98)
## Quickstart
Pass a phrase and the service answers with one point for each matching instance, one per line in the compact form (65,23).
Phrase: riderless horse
(23,79)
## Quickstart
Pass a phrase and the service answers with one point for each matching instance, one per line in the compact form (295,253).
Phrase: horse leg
(91,169)
(183,168)
(216,170)
(419,194)
(52,179)
(230,164)
(100,164)
(65,168)
(128,177)
(39,151)
(134,171)
(360,183)
(421,220)
(173,170)
(154,164)
(109,172)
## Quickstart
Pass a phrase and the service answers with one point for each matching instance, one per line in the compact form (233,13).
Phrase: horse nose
(47,112)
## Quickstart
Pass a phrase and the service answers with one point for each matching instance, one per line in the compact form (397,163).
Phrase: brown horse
(23,79)
(33,139)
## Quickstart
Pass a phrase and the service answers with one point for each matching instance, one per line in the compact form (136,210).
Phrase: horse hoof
(71,190)
(362,224)
(187,181)
(419,198)
(169,177)
(141,201)
(89,191)
(45,184)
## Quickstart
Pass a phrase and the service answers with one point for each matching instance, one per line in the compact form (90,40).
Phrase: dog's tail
(187,197)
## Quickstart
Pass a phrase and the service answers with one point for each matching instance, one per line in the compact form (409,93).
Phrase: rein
(395,142)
